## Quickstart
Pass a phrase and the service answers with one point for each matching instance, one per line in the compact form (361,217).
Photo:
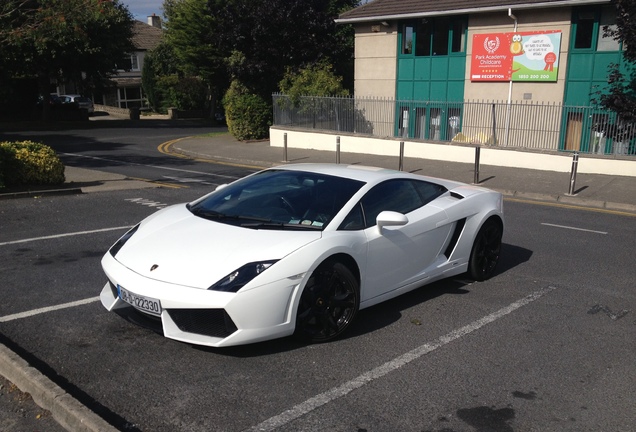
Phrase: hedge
(29,163)
(248,116)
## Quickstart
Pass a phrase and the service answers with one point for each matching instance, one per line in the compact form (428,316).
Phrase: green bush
(184,93)
(248,115)
(29,163)
(315,80)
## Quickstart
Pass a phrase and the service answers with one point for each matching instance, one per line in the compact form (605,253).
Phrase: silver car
(83,102)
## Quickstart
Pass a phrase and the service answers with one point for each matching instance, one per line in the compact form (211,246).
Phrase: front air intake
(206,322)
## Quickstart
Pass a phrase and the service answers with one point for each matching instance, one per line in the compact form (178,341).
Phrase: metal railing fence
(554,127)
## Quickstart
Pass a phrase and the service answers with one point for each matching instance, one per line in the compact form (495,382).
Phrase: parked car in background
(82,101)
(52,99)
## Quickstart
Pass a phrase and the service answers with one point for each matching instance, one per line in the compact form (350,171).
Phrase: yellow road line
(168,185)
(166,148)
(572,207)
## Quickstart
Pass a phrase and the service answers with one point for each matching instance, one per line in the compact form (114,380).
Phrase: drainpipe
(511,16)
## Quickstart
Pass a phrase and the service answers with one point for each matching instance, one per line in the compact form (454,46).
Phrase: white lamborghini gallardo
(299,249)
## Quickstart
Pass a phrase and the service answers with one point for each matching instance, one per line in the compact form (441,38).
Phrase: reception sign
(520,56)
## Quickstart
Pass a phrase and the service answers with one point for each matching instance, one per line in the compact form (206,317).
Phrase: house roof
(146,37)
(405,9)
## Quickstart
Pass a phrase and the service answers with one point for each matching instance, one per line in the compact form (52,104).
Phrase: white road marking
(574,228)
(147,202)
(338,392)
(33,312)
(64,235)
(188,180)
(152,166)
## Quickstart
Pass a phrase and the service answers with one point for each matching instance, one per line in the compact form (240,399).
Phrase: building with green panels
(433,56)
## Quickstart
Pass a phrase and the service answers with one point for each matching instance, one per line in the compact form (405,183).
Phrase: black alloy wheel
(328,303)
(485,252)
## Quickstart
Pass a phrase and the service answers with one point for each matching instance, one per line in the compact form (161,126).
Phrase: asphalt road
(545,345)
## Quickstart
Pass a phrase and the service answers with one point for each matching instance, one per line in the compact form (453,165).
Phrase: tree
(271,36)
(191,30)
(621,95)
(314,80)
(160,62)
(310,93)
(70,40)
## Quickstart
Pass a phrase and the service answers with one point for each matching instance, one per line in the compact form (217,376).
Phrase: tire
(485,252)
(328,304)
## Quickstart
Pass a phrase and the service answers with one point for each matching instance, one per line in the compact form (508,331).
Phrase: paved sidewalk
(591,190)
(611,192)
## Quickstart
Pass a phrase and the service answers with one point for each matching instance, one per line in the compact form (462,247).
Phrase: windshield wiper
(208,214)
(280,225)
(213,214)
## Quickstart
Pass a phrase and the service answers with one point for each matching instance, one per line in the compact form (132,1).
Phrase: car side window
(428,191)
(354,220)
(397,195)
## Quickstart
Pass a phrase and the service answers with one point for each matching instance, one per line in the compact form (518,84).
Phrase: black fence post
(477,155)
(575,166)
(285,147)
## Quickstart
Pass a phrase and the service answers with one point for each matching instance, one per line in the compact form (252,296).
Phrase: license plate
(147,304)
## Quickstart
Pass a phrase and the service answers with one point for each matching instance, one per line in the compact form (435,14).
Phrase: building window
(607,43)
(435,37)
(407,39)
(128,63)
(588,29)
(458,27)
(134,62)
(440,37)
(130,97)
(423,42)
(584,30)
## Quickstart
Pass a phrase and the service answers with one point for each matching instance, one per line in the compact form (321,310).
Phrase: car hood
(177,247)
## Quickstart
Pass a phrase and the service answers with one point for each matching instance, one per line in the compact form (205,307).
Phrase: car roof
(367,174)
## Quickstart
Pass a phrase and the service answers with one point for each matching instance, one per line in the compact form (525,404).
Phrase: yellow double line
(166,148)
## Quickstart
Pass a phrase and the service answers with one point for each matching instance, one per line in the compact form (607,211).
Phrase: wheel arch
(346,260)
(495,217)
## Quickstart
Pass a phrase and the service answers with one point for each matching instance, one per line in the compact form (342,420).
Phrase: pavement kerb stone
(536,196)
(66,410)
(48,192)
(620,207)
(584,202)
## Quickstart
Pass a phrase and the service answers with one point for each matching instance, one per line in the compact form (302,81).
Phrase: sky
(142,8)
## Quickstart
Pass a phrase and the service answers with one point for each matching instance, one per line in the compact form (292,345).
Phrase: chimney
(154,21)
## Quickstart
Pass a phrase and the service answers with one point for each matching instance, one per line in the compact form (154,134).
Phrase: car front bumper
(206,317)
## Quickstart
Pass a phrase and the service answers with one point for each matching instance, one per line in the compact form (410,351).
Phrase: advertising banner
(520,56)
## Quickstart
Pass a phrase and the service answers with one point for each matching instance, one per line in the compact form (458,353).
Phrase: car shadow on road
(383,314)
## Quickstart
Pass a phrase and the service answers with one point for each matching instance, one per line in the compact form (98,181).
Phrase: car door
(402,254)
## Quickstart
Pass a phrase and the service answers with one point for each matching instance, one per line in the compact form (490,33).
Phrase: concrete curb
(36,193)
(570,201)
(66,410)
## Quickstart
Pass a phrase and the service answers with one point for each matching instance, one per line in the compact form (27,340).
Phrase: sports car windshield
(279,199)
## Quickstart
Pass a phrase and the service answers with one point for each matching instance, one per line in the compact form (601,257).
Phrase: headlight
(239,278)
(122,241)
